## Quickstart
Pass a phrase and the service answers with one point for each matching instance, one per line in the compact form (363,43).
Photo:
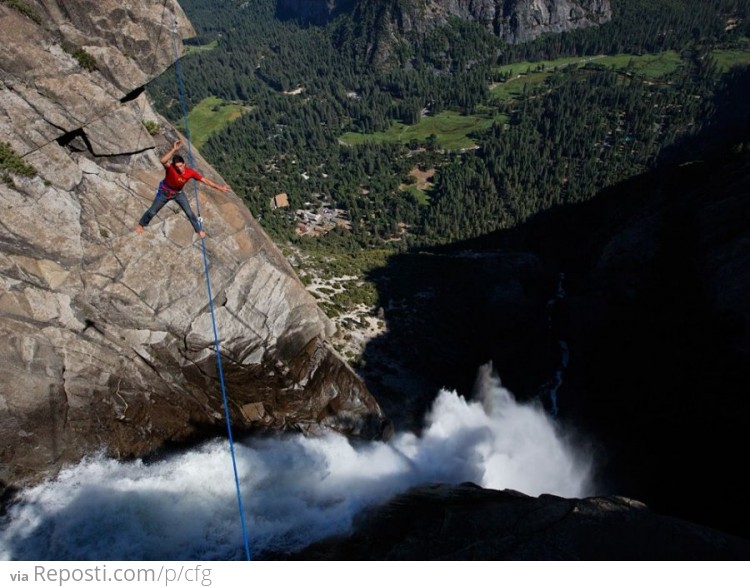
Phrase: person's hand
(224,188)
(176,145)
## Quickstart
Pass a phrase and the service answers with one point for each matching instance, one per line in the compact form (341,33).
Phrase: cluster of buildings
(313,221)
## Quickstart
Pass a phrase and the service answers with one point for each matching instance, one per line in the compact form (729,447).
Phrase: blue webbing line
(210,296)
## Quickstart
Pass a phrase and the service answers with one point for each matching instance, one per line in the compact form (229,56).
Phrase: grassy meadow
(210,115)
(200,48)
(451,129)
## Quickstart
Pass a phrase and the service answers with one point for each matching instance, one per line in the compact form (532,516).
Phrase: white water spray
(296,490)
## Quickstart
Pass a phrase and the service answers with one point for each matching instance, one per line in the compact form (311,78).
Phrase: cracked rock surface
(108,338)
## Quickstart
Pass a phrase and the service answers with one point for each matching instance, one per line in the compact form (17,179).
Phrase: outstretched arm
(168,155)
(222,188)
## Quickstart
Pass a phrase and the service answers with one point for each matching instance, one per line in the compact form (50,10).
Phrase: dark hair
(177,159)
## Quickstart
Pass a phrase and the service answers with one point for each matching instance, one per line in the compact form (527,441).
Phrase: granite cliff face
(108,340)
(513,20)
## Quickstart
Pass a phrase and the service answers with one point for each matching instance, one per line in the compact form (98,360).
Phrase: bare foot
(139,229)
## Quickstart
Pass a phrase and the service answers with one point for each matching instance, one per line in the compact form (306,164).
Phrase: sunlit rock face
(108,337)
(513,20)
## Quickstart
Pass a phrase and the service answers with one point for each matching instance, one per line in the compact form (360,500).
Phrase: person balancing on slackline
(176,176)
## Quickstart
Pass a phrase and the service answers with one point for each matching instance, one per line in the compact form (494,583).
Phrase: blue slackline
(210,296)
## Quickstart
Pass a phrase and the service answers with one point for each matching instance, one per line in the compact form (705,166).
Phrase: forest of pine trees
(585,128)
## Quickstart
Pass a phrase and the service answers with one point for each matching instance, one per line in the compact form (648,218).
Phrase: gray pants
(162,197)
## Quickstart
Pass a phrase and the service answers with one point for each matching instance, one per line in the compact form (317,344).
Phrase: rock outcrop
(467,522)
(513,20)
(109,342)
(523,20)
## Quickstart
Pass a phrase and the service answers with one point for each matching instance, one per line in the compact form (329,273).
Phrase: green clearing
(451,129)
(527,74)
(649,66)
(210,115)
(726,59)
(527,67)
(515,87)
(422,196)
(189,49)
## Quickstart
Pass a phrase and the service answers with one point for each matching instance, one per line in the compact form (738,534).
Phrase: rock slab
(109,339)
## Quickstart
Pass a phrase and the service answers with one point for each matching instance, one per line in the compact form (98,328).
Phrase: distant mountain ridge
(512,20)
